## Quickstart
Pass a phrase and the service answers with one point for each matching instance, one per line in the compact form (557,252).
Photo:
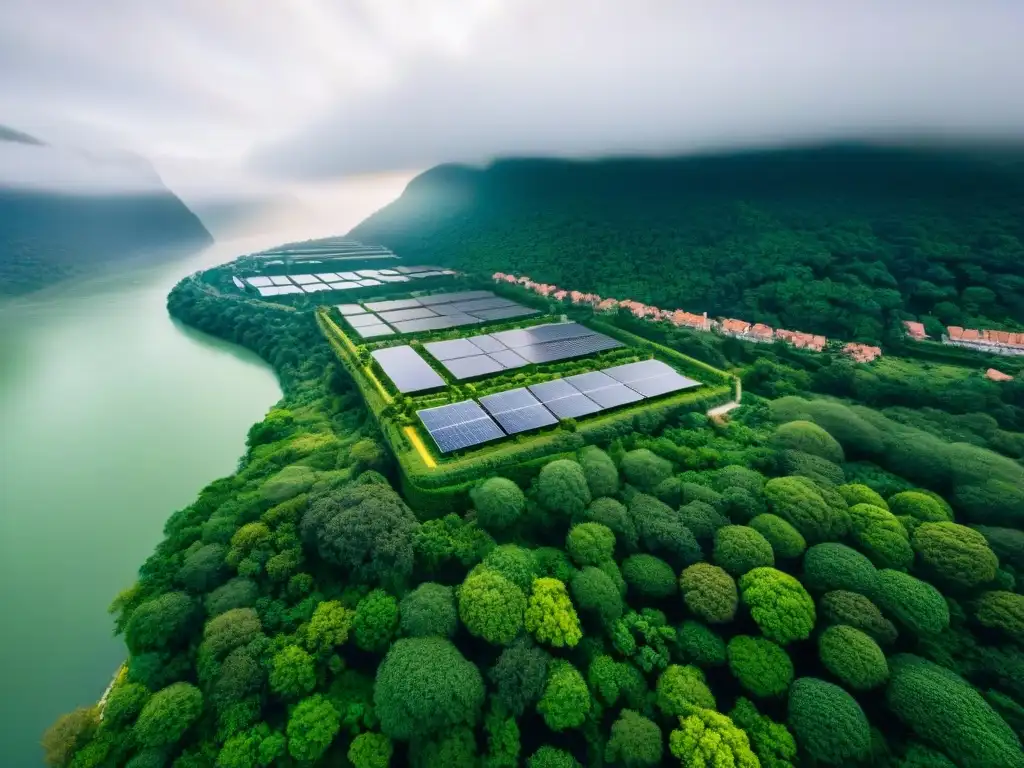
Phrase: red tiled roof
(862,353)
(915,329)
(995,375)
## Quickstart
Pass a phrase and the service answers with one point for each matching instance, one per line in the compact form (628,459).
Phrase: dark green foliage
(554,563)
(519,676)
(491,606)
(739,548)
(204,569)
(292,672)
(881,537)
(856,493)
(68,734)
(595,593)
(366,530)
(645,469)
(450,545)
(828,722)
(954,554)
(663,532)
(424,686)
(682,687)
(762,667)
(808,437)
(700,645)
(515,563)
(709,592)
(370,750)
(1007,543)
(454,749)
(772,742)
(669,491)
(693,491)
(635,741)
(590,544)
(124,704)
(1003,611)
(429,610)
(915,604)
(312,726)
(566,699)
(785,540)
(503,744)
(240,592)
(842,607)
(832,566)
(167,715)
(551,757)
(738,476)
(919,505)
(240,675)
(822,472)
(802,506)
(649,577)
(779,604)
(614,515)
(991,502)
(853,657)
(499,503)
(942,709)
(162,622)
(600,472)
(376,621)
(644,637)
(562,488)
(702,519)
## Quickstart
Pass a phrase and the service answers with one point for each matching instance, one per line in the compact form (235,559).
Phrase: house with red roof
(861,353)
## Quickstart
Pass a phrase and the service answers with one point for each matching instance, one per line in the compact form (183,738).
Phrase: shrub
(499,503)
(292,672)
(828,722)
(772,742)
(669,491)
(562,488)
(167,715)
(991,502)
(696,492)
(709,738)
(645,469)
(700,645)
(552,757)
(417,673)
(808,437)
(599,471)
(709,592)
(803,507)
(681,687)
(1007,543)
(702,519)
(916,604)
(634,741)
(566,699)
(515,563)
(370,750)
(649,577)
(312,726)
(738,476)
(615,516)
(821,472)
(553,563)
(779,604)
(519,676)
(68,735)
(662,531)
(943,709)
(762,667)
(328,627)
(375,621)
(785,540)
(856,493)
(595,593)
(739,549)
(881,536)
(1003,611)
(590,544)
(491,606)
(550,616)
(644,638)
(428,611)
(740,505)
(853,657)
(833,566)
(842,607)
(205,569)
(611,680)
(920,506)
(955,554)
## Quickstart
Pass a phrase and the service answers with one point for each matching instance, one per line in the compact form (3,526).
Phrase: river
(112,416)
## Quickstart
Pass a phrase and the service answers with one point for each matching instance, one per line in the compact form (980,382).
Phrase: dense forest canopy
(843,241)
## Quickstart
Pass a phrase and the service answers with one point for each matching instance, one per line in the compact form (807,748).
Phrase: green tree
(709,738)
(700,645)
(828,722)
(645,469)
(515,563)
(230,630)
(503,742)
(204,569)
(167,715)
(808,437)
(499,503)
(779,604)
(841,607)
(772,742)
(328,628)
(853,657)
(702,519)
(762,667)
(831,566)
(429,610)
(857,493)
(257,746)
(550,616)
(920,506)
(124,704)
(491,606)
(785,540)
(595,593)
(955,554)
(292,672)
(881,536)
(649,577)
(162,622)
(376,621)
(240,592)
(599,470)
(590,544)
(615,516)
(662,531)
(416,674)
(519,676)
(552,757)
(634,741)
(739,548)
(682,687)
(802,506)
(566,699)
(67,735)
(1003,611)
(915,604)
(312,726)
(709,592)
(562,488)
(370,750)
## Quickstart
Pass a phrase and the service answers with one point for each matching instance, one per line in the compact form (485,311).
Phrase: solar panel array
(496,352)
(338,281)
(407,370)
(436,312)
(466,424)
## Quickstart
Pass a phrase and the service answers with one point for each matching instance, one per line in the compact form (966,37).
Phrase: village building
(995,375)
(861,353)
(992,341)
(914,330)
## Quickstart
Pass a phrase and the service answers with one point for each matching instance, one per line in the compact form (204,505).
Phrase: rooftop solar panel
(280,280)
(565,349)
(351,309)
(468,367)
(368,282)
(258,282)
(487,343)
(305,279)
(459,425)
(564,400)
(358,321)
(373,331)
(387,306)
(508,359)
(516,410)
(504,313)
(520,337)
(448,298)
(397,315)
(407,370)
(448,350)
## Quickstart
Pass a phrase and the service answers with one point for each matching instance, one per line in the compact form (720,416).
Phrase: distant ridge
(9,134)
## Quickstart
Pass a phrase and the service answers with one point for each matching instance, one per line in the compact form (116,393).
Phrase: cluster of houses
(993,342)
(740,329)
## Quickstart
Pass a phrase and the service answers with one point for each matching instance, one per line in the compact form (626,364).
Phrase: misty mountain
(841,240)
(65,211)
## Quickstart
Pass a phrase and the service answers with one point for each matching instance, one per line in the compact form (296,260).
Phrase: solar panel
(468,367)
(565,349)
(459,425)
(407,370)
(367,272)
(429,274)
(358,321)
(517,411)
(373,331)
(393,278)
(487,343)
(387,306)
(305,279)
(238,283)
(426,324)
(446,309)
(651,378)
(351,309)
(504,313)
(368,282)
(448,298)
(344,286)
(316,287)
(538,334)
(416,313)
(258,282)
(508,359)
(386,272)
(448,350)
(348,275)
(492,302)
(328,277)
(280,280)
(269,290)
(563,400)
(603,389)
(410,270)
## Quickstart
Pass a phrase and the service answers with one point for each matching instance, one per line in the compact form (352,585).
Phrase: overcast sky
(238,92)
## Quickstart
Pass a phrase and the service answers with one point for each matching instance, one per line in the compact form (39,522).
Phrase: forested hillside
(844,241)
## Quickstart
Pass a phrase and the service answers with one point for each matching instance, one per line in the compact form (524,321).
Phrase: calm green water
(111,417)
